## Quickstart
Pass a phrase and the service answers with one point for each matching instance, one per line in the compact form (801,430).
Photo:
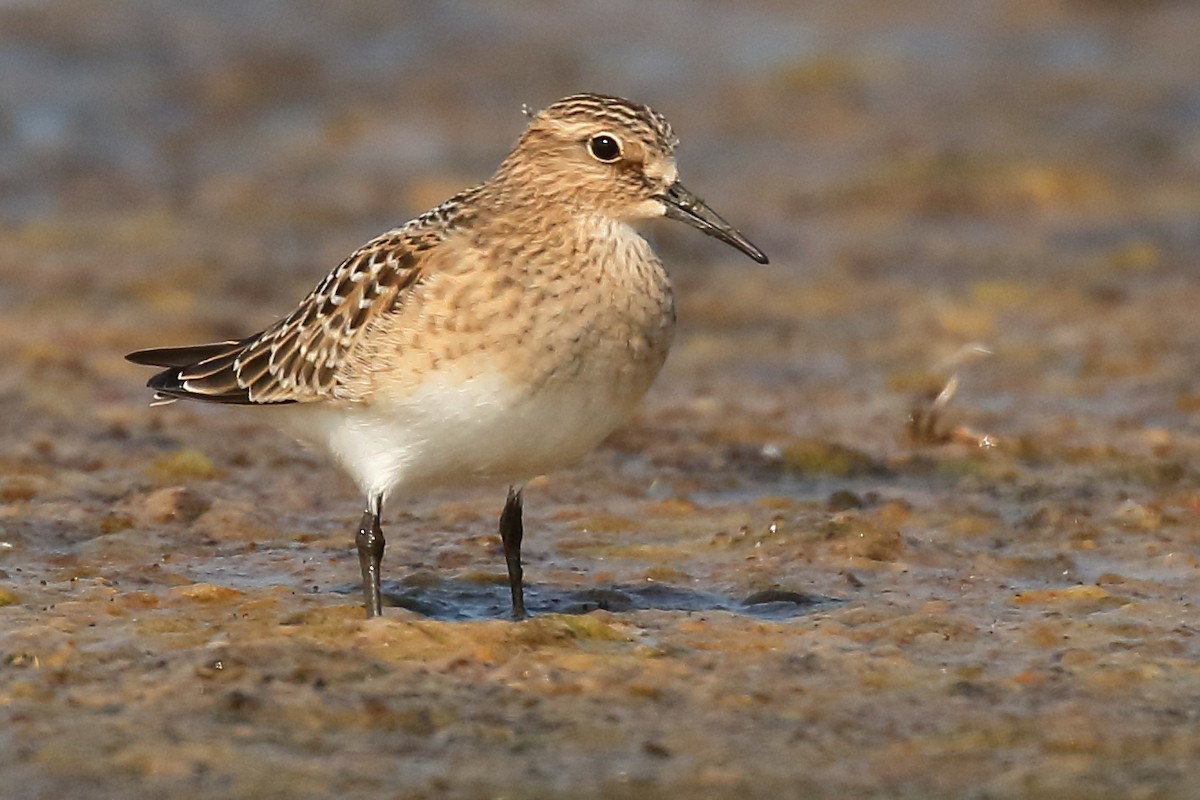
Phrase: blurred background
(178,170)
(997,602)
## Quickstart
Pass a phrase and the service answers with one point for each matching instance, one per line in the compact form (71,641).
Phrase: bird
(497,337)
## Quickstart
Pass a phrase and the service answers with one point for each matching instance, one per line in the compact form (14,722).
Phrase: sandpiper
(499,336)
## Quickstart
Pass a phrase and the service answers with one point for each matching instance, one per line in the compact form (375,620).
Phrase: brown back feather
(296,359)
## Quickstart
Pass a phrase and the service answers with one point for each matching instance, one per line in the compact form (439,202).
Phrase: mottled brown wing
(296,359)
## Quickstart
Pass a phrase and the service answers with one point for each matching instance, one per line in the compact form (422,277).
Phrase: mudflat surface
(783,578)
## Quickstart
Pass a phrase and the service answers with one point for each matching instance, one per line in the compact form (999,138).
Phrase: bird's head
(598,154)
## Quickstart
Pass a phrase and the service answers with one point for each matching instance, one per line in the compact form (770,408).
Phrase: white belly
(450,433)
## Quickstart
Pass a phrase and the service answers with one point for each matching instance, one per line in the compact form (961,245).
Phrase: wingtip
(140,357)
(181,356)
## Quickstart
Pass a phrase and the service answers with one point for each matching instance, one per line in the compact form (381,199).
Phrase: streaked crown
(590,109)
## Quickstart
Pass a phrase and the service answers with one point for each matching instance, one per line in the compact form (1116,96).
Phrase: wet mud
(914,511)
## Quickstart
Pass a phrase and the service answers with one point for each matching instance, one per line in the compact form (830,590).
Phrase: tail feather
(200,372)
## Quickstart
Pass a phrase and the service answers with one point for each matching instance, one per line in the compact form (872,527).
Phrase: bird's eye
(604,148)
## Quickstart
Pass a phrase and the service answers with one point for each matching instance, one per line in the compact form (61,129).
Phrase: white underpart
(452,433)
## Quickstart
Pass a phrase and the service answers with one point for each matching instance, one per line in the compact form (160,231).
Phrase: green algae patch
(820,457)
(182,466)
(560,629)
(587,626)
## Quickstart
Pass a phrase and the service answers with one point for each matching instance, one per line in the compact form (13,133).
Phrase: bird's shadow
(457,599)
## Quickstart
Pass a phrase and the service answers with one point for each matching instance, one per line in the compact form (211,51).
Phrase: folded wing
(295,360)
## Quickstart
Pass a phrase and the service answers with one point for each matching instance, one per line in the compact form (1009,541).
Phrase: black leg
(370,553)
(511,532)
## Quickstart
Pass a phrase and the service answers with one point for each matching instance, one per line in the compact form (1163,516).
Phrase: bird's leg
(370,553)
(511,532)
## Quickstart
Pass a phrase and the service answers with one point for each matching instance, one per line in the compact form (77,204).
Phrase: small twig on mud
(923,418)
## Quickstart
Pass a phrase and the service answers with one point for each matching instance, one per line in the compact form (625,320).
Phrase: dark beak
(687,207)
